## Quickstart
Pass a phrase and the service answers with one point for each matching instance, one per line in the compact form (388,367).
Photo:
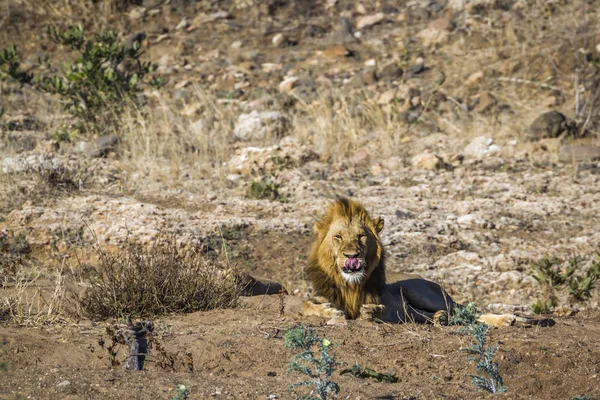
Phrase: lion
(346,267)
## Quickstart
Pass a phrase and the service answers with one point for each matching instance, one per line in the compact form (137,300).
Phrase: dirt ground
(239,354)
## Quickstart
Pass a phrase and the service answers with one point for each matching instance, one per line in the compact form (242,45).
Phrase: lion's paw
(371,311)
(321,309)
(440,318)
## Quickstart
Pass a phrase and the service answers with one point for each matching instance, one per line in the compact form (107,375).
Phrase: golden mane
(325,275)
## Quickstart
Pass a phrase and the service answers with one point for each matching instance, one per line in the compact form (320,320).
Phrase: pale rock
(288,84)
(259,125)
(387,97)
(369,20)
(485,102)
(481,147)
(360,158)
(289,153)
(467,220)
(137,13)
(475,78)
(279,40)
(431,37)
(11,165)
(183,24)
(427,161)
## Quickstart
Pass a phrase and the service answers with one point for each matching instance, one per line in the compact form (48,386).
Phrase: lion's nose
(351,255)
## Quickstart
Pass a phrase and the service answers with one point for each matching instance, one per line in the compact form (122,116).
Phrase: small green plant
(265,188)
(104,78)
(466,315)
(552,278)
(65,134)
(181,393)
(319,369)
(542,306)
(492,381)
(367,373)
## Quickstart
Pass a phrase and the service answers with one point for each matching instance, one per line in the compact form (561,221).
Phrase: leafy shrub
(318,369)
(164,279)
(104,78)
(466,315)
(265,188)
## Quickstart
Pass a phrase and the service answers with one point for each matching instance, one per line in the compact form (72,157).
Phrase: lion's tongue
(352,263)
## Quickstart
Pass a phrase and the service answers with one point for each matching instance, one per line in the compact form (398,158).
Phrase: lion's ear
(378,224)
(318,227)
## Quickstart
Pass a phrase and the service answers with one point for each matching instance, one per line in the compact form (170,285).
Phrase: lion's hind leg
(321,307)
(500,320)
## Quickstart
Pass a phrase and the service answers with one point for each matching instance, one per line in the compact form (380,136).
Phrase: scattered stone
(467,220)
(337,321)
(578,153)
(431,37)
(63,384)
(279,40)
(288,84)
(218,15)
(342,33)
(260,125)
(390,71)
(360,158)
(550,101)
(337,50)
(103,145)
(415,69)
(475,79)
(369,76)
(481,147)
(183,24)
(369,20)
(548,125)
(485,102)
(137,13)
(387,97)
(428,161)
(13,165)
(261,160)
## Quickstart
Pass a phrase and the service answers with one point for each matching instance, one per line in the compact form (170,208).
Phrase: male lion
(347,271)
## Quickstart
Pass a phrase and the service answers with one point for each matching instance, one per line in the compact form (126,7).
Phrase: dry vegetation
(81,220)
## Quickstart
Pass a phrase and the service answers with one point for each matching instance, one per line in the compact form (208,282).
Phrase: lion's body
(347,272)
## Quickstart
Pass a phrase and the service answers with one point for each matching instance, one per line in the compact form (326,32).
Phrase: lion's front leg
(320,307)
(372,312)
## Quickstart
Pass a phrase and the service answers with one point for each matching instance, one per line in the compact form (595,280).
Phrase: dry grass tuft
(35,300)
(164,279)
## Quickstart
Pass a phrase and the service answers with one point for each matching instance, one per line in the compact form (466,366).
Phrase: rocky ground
(471,126)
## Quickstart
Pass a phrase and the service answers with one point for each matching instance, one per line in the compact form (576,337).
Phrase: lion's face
(352,245)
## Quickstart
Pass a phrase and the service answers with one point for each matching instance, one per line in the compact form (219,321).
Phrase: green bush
(552,278)
(96,87)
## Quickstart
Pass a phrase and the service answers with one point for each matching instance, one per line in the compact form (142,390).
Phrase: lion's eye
(338,237)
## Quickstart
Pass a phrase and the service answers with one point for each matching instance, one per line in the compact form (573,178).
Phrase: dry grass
(35,299)
(164,279)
